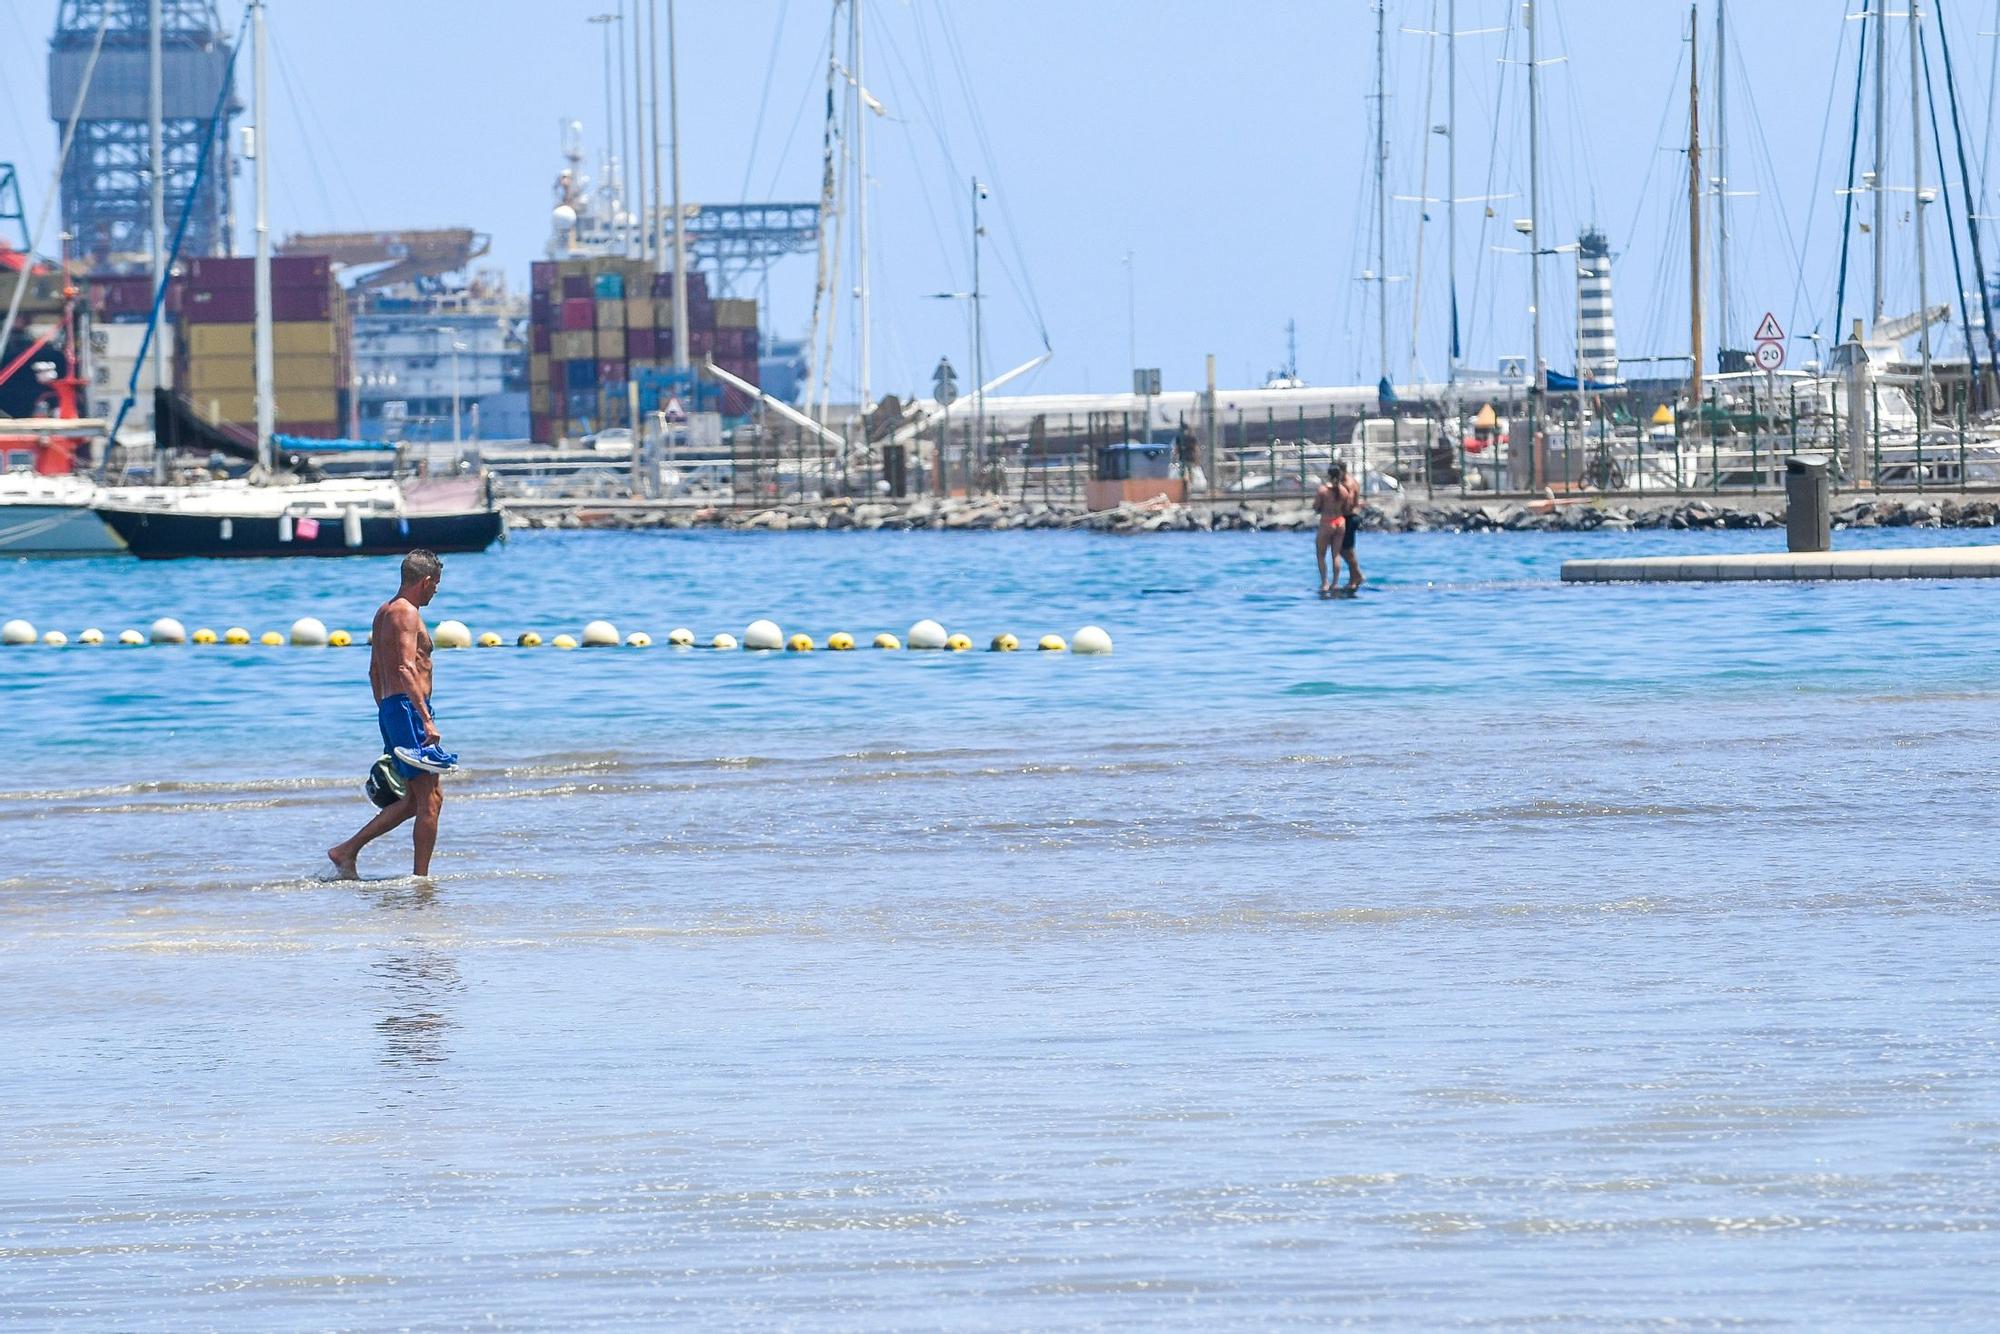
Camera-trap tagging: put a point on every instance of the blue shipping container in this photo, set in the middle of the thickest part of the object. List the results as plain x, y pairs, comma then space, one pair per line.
610, 287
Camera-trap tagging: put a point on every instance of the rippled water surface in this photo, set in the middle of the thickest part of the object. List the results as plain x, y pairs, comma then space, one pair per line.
1479, 952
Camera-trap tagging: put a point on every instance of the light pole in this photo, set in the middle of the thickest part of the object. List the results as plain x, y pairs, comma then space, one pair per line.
456, 348
1131, 315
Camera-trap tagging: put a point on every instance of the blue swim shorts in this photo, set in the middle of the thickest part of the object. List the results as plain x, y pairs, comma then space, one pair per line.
397, 717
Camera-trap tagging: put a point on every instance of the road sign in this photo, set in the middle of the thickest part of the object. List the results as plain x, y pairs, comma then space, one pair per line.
1513, 369
945, 380
1146, 380
1770, 331
674, 412
1770, 356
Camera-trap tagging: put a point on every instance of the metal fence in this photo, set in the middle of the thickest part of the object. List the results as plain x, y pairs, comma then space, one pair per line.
1737, 442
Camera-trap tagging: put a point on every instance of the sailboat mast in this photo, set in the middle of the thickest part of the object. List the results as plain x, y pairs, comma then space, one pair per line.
641, 241
680, 220
624, 141
654, 211
1880, 185
1381, 196
155, 94
860, 203
1721, 176
978, 340
1537, 371
1451, 197
261, 268
1694, 205
1917, 211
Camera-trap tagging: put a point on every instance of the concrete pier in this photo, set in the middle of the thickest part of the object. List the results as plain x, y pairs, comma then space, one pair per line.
1908, 563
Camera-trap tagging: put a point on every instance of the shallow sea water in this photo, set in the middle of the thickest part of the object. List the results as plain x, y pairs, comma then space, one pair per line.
1481, 952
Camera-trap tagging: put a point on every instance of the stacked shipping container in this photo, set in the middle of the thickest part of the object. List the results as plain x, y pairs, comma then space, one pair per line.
599, 325
215, 366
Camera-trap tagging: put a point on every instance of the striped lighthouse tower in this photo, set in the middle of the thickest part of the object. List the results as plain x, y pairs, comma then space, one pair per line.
1597, 344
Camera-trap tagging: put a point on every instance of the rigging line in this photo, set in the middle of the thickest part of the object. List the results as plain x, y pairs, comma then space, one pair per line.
1853, 148
291, 87
1675, 82
1489, 214
1992, 95
1800, 246
1944, 197
764, 98
1971, 209
791, 135
1423, 189
909, 139
1013, 229
927, 64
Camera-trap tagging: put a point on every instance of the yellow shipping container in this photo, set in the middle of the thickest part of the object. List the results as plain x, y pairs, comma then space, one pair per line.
294, 338
299, 405
538, 399
638, 312
313, 372
573, 345
220, 340
611, 313
228, 374
610, 344
538, 368
735, 314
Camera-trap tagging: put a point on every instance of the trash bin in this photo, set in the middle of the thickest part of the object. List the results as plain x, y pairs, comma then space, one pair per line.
1808, 503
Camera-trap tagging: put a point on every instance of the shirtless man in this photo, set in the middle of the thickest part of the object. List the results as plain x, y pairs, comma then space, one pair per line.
1330, 503
1350, 508
399, 670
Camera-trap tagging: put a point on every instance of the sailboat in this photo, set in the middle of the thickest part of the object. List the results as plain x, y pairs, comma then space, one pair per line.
362, 517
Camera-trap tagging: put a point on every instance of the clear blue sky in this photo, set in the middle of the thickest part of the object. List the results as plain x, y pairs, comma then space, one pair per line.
1225, 145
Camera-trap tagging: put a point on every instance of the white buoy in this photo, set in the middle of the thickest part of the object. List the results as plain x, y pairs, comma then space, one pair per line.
723, 642
763, 635
926, 634
1090, 639
350, 526
131, 637
17, 632
638, 639
309, 632
452, 634
600, 634
681, 638
167, 630
55, 639
91, 636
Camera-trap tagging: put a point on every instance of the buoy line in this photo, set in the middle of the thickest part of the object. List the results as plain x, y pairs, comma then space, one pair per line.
761, 636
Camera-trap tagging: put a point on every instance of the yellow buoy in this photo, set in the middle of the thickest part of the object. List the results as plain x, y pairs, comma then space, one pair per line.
203, 636
91, 636
490, 640
724, 641
638, 639
55, 639
840, 641
339, 639
1051, 644
563, 641
1005, 643
130, 637
800, 643
270, 639
529, 639
235, 634
886, 640
958, 643
681, 637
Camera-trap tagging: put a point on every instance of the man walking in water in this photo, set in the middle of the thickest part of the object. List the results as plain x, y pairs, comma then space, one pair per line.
399, 671
1350, 508
1330, 503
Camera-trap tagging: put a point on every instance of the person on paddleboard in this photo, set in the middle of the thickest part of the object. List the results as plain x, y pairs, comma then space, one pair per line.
399, 671
1330, 503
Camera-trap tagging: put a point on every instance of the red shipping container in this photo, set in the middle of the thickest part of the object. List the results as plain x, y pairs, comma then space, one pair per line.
542, 277
219, 306
539, 336
302, 304
663, 285
575, 285
579, 313
643, 344
701, 343
610, 372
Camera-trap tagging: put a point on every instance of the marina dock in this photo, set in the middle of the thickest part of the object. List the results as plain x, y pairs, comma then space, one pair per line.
1982, 562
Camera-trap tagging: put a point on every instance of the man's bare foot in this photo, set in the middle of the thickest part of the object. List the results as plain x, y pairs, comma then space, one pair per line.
343, 864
